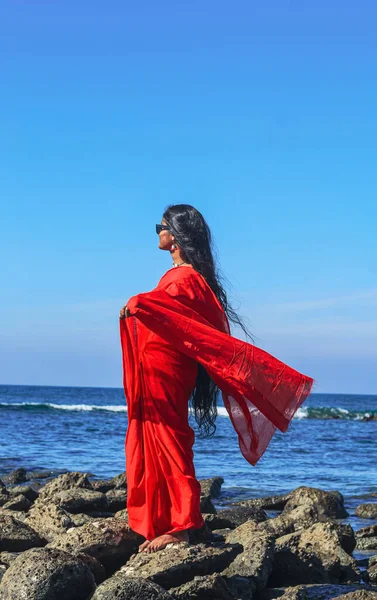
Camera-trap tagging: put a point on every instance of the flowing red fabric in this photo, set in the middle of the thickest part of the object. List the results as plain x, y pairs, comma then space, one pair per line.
171, 329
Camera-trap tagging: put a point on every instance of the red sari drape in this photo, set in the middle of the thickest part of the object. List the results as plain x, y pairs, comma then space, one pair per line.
171, 329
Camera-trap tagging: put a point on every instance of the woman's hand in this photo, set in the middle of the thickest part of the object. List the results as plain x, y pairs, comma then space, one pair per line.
124, 312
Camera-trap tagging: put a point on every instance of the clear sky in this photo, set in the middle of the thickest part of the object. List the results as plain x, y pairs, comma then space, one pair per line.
260, 114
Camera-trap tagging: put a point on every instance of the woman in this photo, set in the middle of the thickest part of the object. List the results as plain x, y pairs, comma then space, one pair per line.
177, 345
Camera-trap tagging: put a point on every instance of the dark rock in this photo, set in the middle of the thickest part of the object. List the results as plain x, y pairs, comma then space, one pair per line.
372, 560
211, 487
313, 555
234, 517
4, 497
16, 476
327, 504
203, 534
2, 571
47, 574
125, 588
67, 481
266, 503
369, 531
298, 592
48, 519
116, 500
102, 485
240, 587
367, 511
206, 506
26, 490
16, 536
80, 500
19, 502
119, 482
110, 541
205, 587
359, 595
179, 563
371, 573
98, 570
366, 543
256, 560
79, 519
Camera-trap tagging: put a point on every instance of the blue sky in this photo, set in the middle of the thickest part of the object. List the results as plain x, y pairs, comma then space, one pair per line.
262, 115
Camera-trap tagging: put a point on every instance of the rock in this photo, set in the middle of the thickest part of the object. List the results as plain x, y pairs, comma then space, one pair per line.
8, 557
203, 534
98, 570
313, 555
359, 595
372, 560
16, 536
2, 571
110, 541
240, 587
16, 476
48, 519
256, 560
327, 504
119, 482
298, 592
367, 511
206, 506
17, 514
47, 574
125, 588
366, 543
67, 481
80, 500
205, 587
296, 519
19, 502
266, 503
80, 519
371, 573
122, 514
370, 531
180, 563
234, 517
26, 490
211, 487
4, 497
101, 485
116, 500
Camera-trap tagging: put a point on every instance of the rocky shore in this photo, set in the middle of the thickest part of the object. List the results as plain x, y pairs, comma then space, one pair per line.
67, 537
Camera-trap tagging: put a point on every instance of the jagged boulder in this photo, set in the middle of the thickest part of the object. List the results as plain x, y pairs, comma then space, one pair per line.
19, 502
67, 481
204, 587
234, 517
47, 574
179, 563
80, 500
48, 519
327, 504
116, 499
211, 487
26, 490
265, 503
17, 476
122, 587
313, 555
110, 541
16, 536
298, 518
256, 559
359, 595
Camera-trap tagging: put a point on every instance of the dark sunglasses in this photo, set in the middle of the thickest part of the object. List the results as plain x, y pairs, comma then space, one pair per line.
160, 227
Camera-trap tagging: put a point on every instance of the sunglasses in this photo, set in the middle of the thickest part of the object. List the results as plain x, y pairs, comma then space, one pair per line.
160, 227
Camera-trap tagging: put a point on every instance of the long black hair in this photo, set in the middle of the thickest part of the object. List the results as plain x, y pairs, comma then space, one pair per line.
195, 241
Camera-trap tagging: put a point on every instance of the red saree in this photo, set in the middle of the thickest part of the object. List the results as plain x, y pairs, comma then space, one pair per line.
171, 329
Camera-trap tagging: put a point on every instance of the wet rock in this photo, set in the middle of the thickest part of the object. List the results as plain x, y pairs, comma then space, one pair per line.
180, 563
16, 536
313, 555
371, 573
234, 517
110, 541
6, 558
19, 502
372, 560
48, 519
205, 587
266, 503
366, 543
80, 500
206, 506
16, 476
296, 519
367, 511
67, 481
327, 504
47, 574
116, 500
369, 531
256, 560
125, 588
211, 487
26, 490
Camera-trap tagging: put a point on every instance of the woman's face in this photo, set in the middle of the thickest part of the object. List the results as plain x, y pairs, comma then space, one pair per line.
165, 238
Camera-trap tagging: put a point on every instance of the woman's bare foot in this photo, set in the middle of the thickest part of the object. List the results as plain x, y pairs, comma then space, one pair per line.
144, 545
162, 541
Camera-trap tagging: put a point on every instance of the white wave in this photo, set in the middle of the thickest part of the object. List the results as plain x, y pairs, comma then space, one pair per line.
70, 407
222, 411
302, 413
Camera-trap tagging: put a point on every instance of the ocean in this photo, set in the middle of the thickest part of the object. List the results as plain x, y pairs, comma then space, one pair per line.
331, 443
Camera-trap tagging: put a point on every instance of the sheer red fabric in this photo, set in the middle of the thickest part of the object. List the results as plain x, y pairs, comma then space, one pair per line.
171, 329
